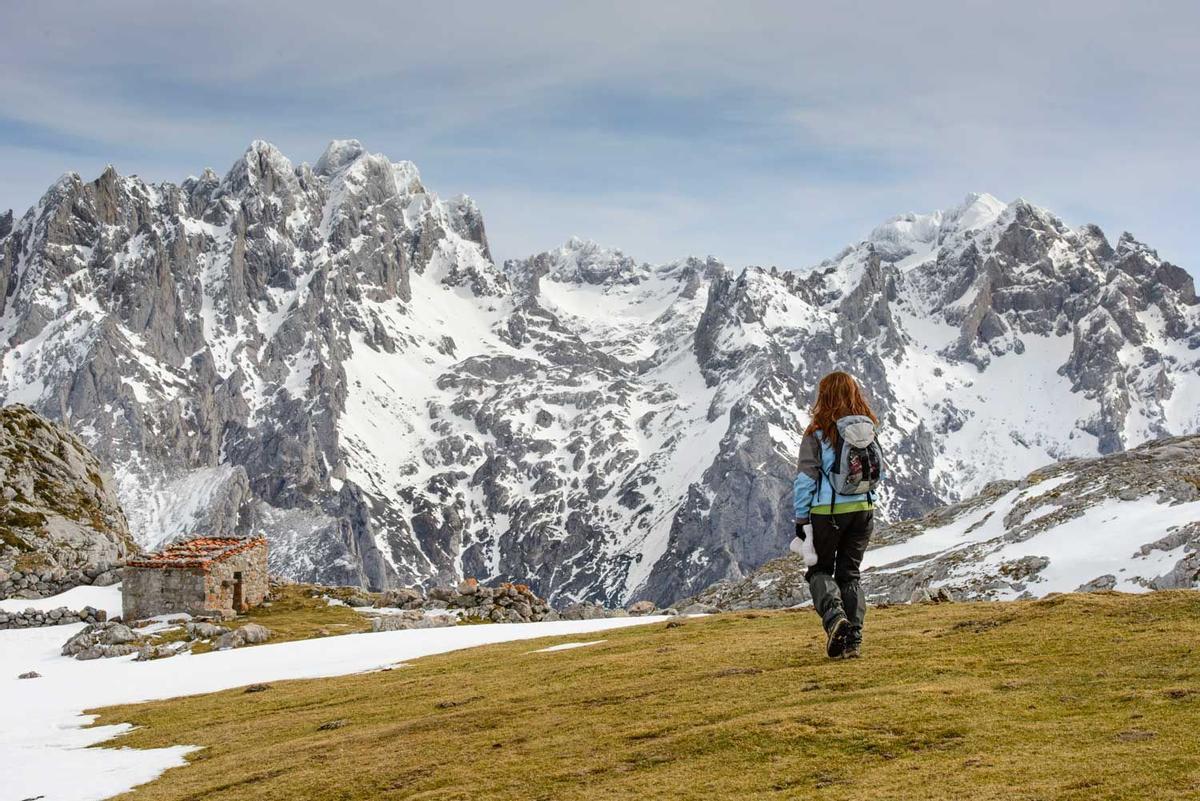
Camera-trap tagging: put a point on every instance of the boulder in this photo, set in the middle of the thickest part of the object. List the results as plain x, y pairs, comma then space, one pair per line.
230, 639
926, 595
249, 634
107, 578
920, 595
202, 630
400, 599
1099, 584
254, 634
117, 634
89, 653
642, 608
118, 650
148, 652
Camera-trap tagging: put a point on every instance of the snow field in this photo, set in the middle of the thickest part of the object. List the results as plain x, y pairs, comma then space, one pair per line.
44, 749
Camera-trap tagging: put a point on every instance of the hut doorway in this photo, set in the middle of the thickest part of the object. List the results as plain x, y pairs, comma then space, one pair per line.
239, 604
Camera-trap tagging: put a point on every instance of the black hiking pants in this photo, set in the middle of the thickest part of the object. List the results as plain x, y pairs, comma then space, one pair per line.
840, 540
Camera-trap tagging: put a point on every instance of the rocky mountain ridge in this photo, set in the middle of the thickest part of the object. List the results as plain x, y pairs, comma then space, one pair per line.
328, 354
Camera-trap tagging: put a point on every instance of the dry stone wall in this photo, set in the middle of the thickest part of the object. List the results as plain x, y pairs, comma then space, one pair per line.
34, 618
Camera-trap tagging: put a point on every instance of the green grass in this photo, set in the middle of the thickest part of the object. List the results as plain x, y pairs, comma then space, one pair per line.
1074, 697
296, 613
9, 538
23, 518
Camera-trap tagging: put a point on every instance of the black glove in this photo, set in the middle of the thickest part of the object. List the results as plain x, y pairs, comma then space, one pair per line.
800, 524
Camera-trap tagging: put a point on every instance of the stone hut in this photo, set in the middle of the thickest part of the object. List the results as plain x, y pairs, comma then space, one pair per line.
201, 576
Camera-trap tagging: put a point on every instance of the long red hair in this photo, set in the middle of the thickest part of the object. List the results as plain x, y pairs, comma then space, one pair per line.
838, 395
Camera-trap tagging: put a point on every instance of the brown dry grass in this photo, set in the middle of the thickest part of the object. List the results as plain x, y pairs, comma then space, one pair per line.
1075, 697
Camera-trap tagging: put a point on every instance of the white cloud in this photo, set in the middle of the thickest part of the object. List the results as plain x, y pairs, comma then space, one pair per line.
765, 131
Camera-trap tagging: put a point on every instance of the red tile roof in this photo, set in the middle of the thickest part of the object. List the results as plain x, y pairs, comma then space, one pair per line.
198, 552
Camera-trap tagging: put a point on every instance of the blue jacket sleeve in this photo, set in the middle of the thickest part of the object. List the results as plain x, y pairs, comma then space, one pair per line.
808, 470
802, 495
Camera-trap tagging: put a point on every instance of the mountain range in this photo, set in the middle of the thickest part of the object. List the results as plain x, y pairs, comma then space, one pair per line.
330, 355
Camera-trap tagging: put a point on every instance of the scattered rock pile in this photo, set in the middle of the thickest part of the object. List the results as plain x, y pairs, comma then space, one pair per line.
587, 610
506, 603
412, 619
472, 601
32, 618
97, 640
776, 585
113, 638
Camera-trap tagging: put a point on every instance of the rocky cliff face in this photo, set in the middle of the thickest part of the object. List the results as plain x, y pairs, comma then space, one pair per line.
329, 355
60, 522
1128, 521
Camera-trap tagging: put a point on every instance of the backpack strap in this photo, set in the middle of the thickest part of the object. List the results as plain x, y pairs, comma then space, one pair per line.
833, 493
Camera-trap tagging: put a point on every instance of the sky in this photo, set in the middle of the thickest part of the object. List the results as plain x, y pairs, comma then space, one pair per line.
771, 133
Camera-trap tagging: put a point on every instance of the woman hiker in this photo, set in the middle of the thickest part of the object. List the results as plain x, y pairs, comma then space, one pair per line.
840, 466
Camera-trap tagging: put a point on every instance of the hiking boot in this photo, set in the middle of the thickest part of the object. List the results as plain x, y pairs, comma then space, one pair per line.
835, 646
853, 649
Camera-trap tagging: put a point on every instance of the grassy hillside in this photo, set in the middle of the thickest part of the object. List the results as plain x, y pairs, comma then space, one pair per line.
1072, 697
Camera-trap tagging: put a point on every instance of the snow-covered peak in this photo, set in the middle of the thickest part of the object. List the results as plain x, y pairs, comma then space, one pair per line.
338, 155
407, 177
900, 235
264, 154
263, 167
348, 156
977, 211
585, 261
907, 234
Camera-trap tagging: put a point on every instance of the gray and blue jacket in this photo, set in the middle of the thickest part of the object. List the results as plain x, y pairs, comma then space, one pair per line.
812, 492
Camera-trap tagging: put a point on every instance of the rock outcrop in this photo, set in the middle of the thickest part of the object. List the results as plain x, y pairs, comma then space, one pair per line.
61, 524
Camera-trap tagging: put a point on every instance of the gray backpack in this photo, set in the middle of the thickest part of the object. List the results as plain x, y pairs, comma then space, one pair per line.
858, 460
